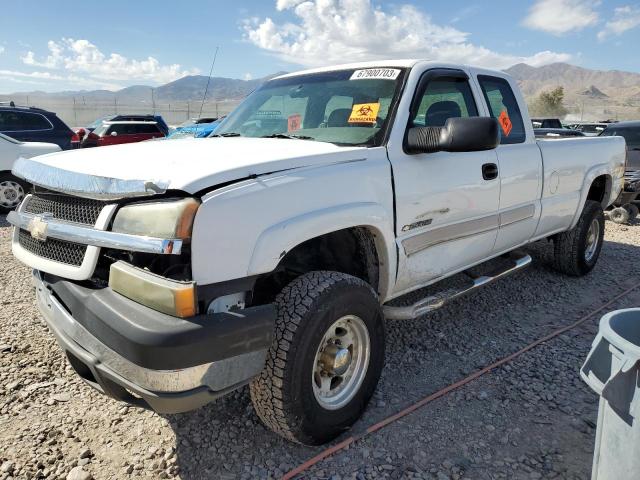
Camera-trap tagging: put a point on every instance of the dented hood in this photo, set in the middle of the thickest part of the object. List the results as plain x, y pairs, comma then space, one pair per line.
189, 165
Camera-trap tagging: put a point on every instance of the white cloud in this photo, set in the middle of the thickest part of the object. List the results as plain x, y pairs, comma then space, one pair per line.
83, 57
624, 18
48, 77
1, 49
338, 31
562, 16
247, 76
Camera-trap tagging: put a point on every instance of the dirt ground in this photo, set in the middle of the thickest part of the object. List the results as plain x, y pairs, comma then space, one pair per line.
532, 418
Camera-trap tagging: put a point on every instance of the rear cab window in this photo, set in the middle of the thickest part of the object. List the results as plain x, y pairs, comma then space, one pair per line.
504, 107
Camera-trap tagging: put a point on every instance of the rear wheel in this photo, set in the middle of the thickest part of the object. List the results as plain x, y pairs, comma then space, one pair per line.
577, 250
633, 210
326, 358
12, 191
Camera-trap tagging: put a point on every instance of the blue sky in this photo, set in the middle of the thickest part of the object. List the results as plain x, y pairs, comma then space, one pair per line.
62, 45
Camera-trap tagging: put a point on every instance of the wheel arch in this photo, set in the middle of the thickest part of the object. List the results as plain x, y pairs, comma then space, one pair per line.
318, 239
598, 186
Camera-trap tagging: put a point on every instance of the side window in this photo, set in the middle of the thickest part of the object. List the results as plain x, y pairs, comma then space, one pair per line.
145, 128
503, 106
10, 122
119, 128
33, 121
442, 99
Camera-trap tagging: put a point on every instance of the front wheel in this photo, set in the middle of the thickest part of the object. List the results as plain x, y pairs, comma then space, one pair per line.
325, 360
12, 192
577, 250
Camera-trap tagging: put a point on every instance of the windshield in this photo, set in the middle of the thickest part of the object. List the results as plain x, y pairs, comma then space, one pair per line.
630, 134
345, 107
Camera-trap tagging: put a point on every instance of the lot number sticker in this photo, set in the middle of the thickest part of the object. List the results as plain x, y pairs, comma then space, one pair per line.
376, 73
364, 113
505, 123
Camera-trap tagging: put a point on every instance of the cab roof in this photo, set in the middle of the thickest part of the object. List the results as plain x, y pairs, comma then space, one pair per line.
397, 63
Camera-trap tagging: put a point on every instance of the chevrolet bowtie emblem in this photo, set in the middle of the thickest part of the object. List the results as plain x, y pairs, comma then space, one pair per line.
38, 226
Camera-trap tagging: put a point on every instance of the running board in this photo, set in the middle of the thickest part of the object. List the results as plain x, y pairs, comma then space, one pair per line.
434, 302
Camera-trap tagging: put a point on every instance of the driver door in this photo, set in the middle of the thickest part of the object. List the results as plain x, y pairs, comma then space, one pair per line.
446, 204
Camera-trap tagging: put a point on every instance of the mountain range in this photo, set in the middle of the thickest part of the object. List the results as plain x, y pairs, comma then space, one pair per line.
582, 86
191, 87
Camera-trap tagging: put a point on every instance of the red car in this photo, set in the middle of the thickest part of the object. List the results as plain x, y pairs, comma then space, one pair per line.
115, 133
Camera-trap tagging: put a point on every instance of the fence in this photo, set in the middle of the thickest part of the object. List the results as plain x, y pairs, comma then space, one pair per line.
78, 112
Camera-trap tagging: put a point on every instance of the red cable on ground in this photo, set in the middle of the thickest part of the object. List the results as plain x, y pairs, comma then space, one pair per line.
440, 393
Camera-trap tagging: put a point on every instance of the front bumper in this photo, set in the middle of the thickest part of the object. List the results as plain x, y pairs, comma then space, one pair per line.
149, 359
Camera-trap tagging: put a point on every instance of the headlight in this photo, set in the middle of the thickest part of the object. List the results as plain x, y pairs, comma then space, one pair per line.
163, 219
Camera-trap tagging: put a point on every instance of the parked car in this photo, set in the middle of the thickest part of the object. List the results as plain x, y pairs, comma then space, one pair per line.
118, 132
197, 130
162, 125
12, 188
269, 254
590, 129
31, 124
551, 133
626, 205
546, 123
195, 121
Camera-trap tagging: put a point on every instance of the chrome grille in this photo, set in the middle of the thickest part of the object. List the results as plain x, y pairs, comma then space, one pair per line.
64, 207
53, 249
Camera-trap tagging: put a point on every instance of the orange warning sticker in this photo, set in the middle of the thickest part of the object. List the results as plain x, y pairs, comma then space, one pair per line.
505, 123
294, 122
364, 113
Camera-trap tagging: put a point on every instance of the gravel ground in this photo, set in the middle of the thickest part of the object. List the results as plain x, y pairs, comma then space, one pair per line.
532, 418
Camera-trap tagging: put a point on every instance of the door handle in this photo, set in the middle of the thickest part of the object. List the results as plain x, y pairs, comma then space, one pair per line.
489, 171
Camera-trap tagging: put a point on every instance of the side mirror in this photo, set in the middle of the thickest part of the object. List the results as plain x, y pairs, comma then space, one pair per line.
471, 134
114, 134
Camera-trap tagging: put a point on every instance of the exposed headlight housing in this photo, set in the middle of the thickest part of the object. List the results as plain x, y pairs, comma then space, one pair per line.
162, 219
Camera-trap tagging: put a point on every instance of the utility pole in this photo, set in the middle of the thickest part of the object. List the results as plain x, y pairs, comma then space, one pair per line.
75, 113
153, 100
115, 104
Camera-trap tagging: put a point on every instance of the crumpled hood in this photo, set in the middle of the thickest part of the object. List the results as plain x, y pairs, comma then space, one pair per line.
189, 165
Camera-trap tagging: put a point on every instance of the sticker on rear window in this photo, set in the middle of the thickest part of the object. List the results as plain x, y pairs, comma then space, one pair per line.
376, 73
505, 123
364, 113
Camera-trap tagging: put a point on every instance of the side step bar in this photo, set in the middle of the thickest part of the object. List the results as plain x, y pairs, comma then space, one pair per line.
433, 302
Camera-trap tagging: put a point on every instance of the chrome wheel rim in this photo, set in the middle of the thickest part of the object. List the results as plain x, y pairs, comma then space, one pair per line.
593, 237
11, 194
341, 362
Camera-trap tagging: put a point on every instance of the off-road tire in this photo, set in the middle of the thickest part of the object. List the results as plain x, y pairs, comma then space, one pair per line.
633, 210
282, 394
570, 246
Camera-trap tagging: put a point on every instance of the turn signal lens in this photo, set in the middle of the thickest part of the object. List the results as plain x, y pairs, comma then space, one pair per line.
162, 294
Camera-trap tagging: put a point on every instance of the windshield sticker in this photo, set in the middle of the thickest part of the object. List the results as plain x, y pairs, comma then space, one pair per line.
294, 122
364, 113
505, 123
376, 73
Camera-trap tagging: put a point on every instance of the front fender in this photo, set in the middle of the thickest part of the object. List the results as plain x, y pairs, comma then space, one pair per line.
276, 241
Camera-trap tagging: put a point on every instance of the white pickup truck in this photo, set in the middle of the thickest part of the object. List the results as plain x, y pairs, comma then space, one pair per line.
174, 272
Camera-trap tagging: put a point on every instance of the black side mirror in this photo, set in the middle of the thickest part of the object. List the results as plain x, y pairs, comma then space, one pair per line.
471, 134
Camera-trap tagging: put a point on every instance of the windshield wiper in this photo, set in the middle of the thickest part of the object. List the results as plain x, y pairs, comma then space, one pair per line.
284, 135
226, 134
